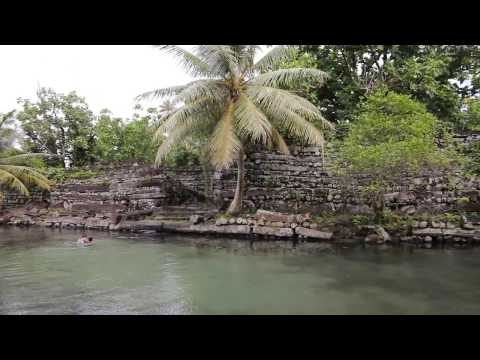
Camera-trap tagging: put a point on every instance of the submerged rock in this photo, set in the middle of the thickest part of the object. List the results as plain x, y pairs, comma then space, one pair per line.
382, 234
272, 231
313, 234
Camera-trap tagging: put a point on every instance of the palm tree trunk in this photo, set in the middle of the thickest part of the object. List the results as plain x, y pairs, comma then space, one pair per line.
236, 205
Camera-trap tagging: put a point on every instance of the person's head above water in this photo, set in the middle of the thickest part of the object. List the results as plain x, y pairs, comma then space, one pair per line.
90, 239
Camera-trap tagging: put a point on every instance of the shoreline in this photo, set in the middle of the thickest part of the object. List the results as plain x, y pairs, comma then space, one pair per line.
261, 244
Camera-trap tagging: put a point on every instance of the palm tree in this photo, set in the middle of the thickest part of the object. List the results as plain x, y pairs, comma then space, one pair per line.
167, 107
15, 173
237, 101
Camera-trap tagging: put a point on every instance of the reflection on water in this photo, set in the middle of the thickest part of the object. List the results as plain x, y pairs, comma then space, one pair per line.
43, 271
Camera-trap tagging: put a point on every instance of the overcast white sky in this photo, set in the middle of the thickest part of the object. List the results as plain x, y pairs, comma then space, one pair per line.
107, 76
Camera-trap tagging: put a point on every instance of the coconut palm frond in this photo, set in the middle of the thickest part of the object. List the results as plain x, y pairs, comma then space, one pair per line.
290, 78
192, 64
273, 57
221, 59
174, 137
28, 175
274, 100
12, 182
209, 89
278, 142
224, 144
250, 121
161, 93
180, 133
298, 127
187, 115
246, 56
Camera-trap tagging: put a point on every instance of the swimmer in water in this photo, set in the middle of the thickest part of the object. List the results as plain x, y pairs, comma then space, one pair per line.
83, 239
89, 242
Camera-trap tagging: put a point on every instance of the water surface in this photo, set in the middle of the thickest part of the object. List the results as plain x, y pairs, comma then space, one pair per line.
43, 271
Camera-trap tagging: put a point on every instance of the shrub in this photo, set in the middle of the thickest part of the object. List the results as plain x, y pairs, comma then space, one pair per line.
392, 135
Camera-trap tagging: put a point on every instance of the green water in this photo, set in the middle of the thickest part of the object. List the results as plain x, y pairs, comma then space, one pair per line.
43, 271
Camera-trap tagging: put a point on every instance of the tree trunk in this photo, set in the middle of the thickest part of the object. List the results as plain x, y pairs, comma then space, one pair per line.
379, 206
236, 205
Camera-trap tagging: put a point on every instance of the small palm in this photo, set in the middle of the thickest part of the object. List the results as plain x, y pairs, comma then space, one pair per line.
15, 173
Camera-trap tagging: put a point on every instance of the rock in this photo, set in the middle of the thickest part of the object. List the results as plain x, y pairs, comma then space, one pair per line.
196, 219
460, 232
284, 232
406, 197
428, 238
391, 197
468, 226
314, 226
382, 234
306, 224
422, 224
450, 225
267, 230
277, 224
274, 216
239, 221
232, 221
371, 238
428, 231
408, 209
417, 181
221, 221
313, 234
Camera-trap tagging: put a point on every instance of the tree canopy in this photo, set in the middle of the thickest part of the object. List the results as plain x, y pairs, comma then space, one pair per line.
440, 76
59, 125
392, 135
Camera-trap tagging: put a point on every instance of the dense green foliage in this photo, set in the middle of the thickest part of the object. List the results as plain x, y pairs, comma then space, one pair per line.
392, 135
7, 131
440, 76
118, 140
59, 174
59, 125
469, 119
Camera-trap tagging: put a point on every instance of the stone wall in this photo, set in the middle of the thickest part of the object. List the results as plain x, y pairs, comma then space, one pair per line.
303, 182
132, 188
299, 182
9, 199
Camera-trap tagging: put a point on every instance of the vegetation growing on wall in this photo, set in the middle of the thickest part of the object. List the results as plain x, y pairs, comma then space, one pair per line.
392, 135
